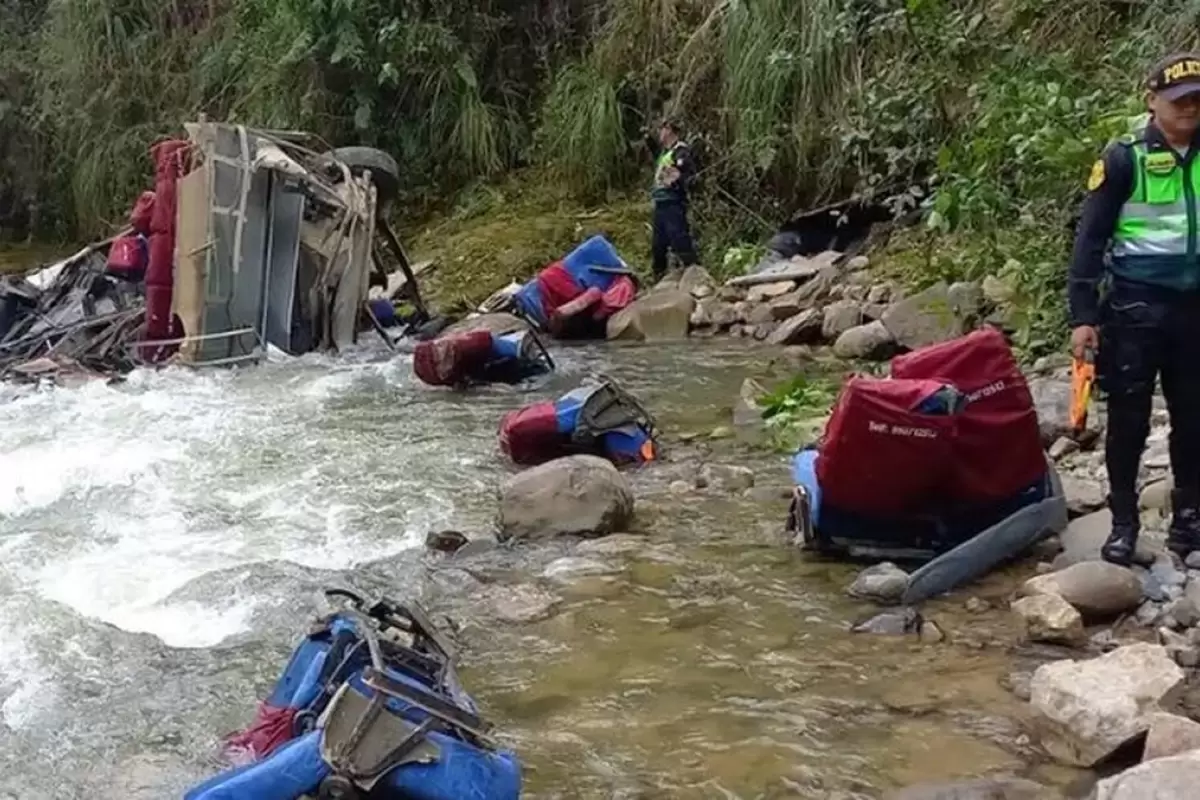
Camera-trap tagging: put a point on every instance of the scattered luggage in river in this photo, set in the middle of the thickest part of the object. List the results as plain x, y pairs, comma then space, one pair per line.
599, 419
369, 705
481, 356
941, 462
574, 297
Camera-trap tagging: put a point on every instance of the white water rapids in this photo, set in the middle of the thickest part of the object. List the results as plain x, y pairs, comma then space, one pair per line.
155, 536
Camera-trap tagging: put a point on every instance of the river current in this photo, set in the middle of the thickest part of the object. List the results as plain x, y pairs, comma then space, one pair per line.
164, 541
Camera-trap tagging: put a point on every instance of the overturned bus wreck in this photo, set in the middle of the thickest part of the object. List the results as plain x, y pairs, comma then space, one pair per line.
249, 239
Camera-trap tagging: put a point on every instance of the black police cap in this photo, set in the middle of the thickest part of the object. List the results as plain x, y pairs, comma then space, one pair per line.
1176, 76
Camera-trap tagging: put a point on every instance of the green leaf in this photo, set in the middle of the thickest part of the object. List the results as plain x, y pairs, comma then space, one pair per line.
388, 74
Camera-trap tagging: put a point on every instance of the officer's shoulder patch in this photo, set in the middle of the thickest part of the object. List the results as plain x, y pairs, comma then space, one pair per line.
1096, 178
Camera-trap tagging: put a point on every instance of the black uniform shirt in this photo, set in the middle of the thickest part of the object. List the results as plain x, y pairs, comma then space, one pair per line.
1098, 222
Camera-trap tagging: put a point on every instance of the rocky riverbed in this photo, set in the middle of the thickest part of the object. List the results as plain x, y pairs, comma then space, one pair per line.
1116, 649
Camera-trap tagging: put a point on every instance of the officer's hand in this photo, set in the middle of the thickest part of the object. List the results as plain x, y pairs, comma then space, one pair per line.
1083, 339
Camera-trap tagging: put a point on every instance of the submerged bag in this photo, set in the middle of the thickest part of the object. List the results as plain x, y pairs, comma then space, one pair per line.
601, 420
481, 357
394, 720
530, 435
449, 360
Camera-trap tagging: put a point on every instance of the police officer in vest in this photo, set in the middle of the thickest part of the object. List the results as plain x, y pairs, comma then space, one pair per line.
674, 168
1143, 202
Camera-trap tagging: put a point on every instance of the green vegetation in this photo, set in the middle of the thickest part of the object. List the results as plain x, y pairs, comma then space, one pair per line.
509, 229
986, 113
796, 411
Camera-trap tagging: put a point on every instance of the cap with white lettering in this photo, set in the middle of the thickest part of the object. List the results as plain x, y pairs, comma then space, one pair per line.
1176, 76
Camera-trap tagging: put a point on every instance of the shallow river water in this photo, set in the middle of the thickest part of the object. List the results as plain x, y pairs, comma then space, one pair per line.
163, 543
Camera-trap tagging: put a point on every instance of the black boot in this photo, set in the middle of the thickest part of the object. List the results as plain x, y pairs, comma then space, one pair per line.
1118, 548
1184, 534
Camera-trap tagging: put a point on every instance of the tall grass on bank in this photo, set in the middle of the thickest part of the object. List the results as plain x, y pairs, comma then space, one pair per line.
583, 129
986, 112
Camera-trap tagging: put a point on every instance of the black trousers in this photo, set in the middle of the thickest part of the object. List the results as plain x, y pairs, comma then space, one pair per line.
670, 232
1148, 333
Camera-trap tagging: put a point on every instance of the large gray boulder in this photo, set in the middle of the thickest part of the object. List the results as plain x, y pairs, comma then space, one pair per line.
926, 318
1087, 709
1095, 588
577, 495
1172, 778
662, 315
870, 341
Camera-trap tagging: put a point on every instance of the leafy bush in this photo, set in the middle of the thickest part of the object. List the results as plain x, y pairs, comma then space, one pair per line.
795, 413
986, 114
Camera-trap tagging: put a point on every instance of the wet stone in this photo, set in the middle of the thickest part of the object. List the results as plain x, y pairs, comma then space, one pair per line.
931, 633
883, 583
445, 541
977, 605
895, 622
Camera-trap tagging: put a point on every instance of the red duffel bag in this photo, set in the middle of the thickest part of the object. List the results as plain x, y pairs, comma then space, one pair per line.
997, 448
448, 360
880, 455
530, 435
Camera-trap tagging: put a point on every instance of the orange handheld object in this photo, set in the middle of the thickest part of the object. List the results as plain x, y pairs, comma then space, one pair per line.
1083, 375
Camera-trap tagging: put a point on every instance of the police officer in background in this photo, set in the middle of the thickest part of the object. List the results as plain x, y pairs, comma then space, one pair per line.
674, 169
1142, 200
